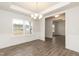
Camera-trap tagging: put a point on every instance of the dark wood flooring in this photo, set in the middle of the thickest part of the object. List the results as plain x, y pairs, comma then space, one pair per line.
51, 47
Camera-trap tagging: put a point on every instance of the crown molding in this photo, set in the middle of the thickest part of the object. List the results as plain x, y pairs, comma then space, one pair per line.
57, 6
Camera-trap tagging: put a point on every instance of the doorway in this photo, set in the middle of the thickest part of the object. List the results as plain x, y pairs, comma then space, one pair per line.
55, 29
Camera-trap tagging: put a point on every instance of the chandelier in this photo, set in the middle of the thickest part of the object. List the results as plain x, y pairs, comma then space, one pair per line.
36, 15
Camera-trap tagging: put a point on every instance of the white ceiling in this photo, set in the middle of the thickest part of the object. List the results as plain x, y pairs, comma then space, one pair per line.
33, 7
36, 7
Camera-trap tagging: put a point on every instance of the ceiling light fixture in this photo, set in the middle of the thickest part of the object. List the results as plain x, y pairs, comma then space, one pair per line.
56, 15
36, 15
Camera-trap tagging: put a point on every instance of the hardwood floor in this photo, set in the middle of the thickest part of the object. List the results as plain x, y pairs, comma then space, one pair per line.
54, 47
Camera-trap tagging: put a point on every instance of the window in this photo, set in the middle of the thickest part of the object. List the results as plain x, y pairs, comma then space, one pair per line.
27, 27
21, 27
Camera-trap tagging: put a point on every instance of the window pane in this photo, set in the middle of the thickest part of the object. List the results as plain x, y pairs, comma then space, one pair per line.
17, 26
27, 27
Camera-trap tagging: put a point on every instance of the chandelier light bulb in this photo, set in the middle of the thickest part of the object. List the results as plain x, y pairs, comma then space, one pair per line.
36, 15
40, 16
32, 15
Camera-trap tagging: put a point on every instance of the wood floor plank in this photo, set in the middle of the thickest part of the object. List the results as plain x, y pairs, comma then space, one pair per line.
51, 47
